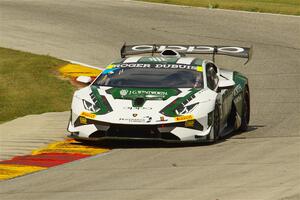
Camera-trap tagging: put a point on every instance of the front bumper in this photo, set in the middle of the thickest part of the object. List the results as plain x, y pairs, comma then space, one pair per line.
163, 132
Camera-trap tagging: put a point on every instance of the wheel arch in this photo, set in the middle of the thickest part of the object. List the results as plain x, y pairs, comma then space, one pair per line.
241, 86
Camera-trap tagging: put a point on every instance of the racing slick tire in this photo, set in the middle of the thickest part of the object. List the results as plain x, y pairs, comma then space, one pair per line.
214, 133
246, 111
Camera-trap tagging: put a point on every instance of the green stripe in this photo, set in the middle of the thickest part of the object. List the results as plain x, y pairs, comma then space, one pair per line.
170, 109
104, 109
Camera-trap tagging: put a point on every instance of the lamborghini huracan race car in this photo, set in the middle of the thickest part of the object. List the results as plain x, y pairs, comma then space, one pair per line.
159, 93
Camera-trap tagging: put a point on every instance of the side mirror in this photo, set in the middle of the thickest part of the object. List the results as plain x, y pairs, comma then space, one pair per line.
84, 79
226, 84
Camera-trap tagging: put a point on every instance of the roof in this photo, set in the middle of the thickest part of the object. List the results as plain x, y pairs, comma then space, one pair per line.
166, 62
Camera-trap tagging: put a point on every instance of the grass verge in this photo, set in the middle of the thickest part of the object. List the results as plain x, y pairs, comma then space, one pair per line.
290, 7
29, 85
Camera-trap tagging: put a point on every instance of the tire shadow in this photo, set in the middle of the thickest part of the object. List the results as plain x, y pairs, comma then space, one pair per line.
136, 144
240, 134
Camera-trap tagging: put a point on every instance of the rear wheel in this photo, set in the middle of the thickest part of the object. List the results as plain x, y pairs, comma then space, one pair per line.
214, 133
246, 111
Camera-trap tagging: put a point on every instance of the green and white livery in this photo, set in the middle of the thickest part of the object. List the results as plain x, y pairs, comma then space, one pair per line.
163, 96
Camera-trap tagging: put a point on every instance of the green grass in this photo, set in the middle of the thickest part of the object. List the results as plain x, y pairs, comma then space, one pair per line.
291, 7
29, 85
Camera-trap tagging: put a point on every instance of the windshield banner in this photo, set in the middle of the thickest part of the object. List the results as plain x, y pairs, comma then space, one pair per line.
158, 66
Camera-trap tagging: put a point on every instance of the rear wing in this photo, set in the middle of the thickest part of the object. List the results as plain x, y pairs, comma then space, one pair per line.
241, 52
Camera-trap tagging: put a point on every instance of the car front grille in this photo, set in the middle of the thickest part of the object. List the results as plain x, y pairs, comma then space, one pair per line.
134, 131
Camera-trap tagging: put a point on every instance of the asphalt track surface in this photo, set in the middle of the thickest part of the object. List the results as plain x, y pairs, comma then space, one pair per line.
263, 163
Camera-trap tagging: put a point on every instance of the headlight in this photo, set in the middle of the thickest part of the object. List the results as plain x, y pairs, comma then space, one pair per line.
89, 106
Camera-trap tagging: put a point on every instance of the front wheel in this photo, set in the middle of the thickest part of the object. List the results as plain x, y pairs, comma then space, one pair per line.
214, 133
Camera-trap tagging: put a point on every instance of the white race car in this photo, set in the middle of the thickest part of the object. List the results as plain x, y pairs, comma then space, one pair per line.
163, 96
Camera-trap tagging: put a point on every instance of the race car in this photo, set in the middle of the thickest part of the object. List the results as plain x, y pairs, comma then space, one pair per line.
157, 92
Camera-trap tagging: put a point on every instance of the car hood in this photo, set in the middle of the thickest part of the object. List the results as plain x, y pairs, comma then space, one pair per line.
145, 105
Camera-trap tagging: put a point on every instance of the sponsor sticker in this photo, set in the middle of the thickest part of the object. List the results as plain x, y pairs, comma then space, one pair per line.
88, 115
184, 118
146, 93
110, 66
110, 71
162, 119
190, 48
146, 119
199, 68
157, 66
123, 92
137, 108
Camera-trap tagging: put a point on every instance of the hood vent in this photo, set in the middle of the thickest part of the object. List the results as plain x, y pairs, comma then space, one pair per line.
138, 102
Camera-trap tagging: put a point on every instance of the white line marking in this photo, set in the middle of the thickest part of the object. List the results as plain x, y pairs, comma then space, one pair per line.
86, 65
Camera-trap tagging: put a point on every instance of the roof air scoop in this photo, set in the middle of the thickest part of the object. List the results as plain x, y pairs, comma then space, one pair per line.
170, 53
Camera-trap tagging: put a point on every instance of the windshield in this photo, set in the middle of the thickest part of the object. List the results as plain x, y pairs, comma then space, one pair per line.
149, 78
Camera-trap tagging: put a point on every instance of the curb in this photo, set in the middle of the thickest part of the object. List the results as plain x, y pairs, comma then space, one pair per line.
54, 154
75, 69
